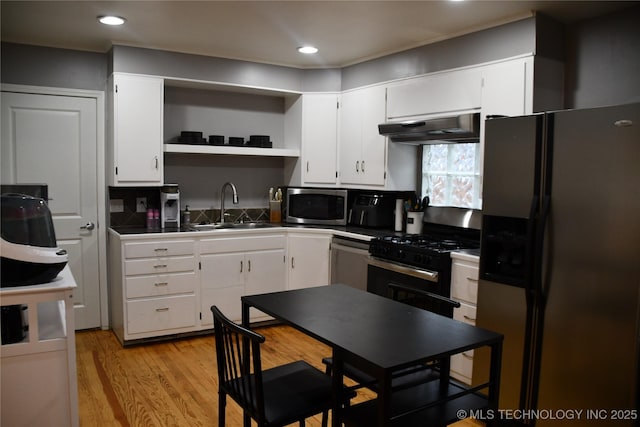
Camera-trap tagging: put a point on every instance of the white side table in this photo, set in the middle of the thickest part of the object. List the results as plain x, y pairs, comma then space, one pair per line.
38, 374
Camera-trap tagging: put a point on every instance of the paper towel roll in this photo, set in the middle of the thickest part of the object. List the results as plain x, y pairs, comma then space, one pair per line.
399, 214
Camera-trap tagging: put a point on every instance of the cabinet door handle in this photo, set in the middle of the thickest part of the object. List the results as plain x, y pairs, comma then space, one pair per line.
471, 319
307, 166
472, 279
362, 167
156, 159
162, 309
160, 266
162, 284
357, 165
292, 263
241, 266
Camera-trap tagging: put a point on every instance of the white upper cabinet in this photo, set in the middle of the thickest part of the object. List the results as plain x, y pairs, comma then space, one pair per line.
137, 123
319, 138
457, 90
362, 149
507, 88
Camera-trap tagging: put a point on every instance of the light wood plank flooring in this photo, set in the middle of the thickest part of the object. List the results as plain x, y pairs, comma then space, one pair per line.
174, 383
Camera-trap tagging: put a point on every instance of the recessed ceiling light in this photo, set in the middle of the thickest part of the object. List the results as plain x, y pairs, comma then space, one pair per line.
111, 20
307, 49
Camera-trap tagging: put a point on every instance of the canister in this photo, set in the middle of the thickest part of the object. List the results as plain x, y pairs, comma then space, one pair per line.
414, 222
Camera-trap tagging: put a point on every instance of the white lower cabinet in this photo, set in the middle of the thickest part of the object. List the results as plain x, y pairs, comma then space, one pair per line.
236, 266
464, 289
165, 284
156, 315
152, 286
308, 259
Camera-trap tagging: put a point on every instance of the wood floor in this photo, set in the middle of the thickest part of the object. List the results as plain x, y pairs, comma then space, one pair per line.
174, 383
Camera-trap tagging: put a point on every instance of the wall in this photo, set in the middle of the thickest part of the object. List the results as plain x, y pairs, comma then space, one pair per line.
501, 42
196, 67
51, 67
603, 60
201, 178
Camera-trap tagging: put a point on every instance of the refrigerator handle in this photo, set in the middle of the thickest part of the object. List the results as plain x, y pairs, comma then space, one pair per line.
538, 277
530, 300
530, 249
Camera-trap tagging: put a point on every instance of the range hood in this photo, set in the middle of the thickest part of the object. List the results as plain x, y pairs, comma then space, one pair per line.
441, 130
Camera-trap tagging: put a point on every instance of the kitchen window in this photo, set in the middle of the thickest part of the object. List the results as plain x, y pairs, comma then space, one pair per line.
450, 175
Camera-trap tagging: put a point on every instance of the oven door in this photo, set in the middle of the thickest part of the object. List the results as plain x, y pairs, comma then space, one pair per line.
399, 281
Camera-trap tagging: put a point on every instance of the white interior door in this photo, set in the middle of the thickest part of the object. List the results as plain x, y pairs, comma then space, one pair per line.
53, 140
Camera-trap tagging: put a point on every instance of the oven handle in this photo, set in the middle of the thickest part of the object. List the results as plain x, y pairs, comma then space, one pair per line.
396, 287
431, 276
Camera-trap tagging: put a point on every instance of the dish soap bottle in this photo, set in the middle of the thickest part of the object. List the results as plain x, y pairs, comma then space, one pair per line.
186, 217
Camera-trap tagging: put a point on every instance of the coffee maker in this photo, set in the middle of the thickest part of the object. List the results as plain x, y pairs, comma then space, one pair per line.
170, 206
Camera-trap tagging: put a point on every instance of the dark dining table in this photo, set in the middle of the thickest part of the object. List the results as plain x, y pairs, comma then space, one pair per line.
380, 336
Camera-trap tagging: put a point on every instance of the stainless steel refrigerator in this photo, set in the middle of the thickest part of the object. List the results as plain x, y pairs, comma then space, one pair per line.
560, 265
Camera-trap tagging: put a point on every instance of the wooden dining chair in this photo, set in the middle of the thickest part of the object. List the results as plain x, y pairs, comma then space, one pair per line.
409, 376
273, 397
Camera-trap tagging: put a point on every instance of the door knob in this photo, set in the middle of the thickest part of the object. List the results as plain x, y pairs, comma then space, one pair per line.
88, 226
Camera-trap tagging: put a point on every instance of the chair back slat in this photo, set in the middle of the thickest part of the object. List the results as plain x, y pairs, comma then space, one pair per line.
239, 367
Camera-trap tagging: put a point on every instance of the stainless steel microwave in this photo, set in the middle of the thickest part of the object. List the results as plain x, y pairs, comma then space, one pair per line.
316, 206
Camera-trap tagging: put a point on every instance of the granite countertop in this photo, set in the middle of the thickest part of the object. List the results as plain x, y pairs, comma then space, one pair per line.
348, 231
369, 232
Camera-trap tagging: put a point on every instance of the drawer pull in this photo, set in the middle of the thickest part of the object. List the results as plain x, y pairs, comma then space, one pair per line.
472, 279
162, 309
161, 249
160, 266
162, 284
471, 319
467, 356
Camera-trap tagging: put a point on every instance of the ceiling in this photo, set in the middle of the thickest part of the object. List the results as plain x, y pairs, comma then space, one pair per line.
346, 32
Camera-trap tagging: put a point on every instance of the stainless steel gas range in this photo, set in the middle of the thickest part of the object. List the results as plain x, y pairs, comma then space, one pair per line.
417, 268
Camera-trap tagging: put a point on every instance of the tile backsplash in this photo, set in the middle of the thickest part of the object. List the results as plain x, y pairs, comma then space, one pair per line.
130, 218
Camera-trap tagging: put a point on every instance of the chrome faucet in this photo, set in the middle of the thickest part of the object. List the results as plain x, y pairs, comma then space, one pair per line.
235, 197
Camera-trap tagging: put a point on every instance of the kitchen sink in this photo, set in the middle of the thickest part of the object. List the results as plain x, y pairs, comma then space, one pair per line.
229, 225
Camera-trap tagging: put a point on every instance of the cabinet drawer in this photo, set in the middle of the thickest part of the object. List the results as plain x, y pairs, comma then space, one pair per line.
161, 284
462, 364
159, 265
158, 314
242, 244
465, 313
464, 282
158, 248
